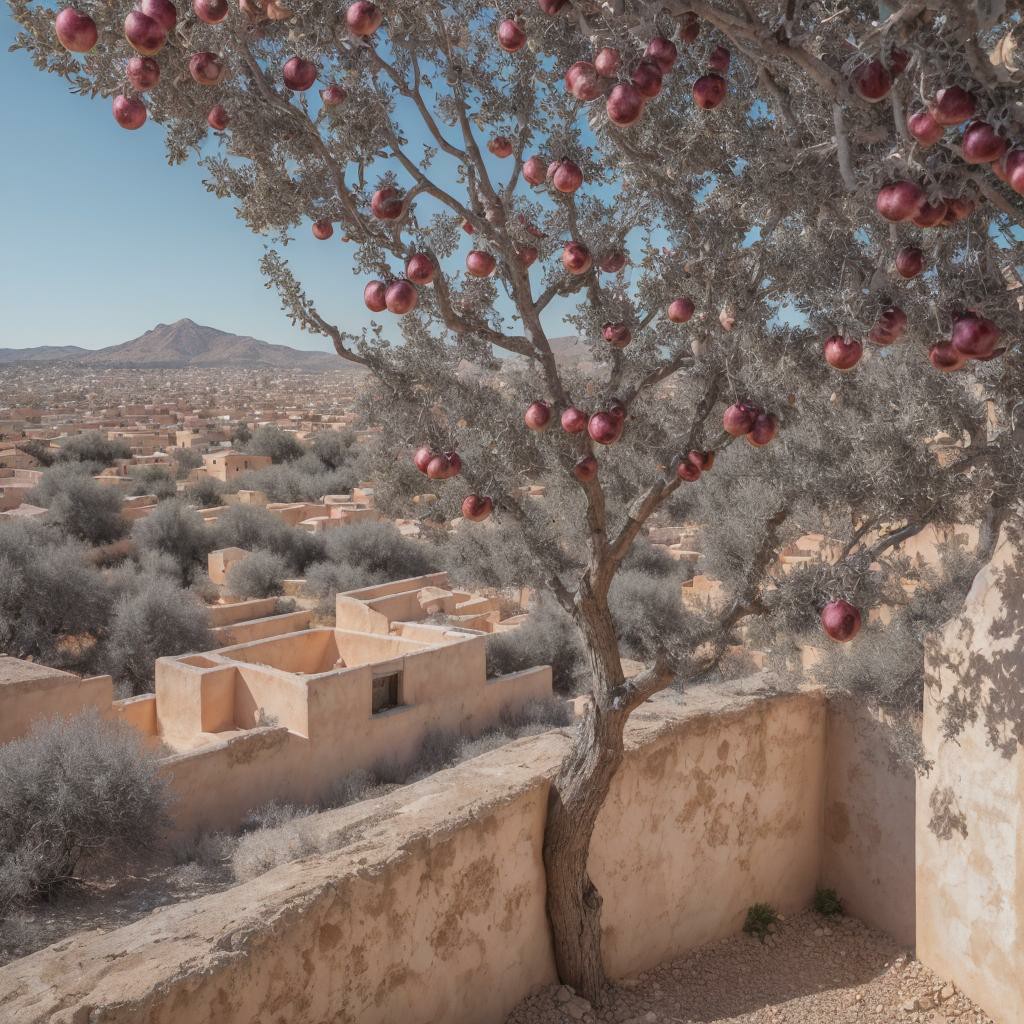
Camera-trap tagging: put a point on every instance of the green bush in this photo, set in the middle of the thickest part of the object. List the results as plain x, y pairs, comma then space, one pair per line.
761, 920
827, 902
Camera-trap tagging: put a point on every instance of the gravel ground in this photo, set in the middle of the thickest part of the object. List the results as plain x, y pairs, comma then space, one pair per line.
812, 970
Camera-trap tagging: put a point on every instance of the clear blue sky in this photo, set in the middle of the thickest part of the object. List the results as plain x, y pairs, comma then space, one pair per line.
102, 239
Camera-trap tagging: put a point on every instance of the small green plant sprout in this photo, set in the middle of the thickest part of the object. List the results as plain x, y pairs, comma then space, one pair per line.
827, 902
761, 920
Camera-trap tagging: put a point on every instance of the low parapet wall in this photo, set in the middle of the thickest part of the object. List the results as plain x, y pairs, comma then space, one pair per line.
433, 909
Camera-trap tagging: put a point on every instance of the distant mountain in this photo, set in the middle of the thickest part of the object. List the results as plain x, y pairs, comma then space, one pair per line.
41, 354
185, 344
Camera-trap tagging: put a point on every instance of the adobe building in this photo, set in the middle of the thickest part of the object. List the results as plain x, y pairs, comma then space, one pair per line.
226, 465
398, 607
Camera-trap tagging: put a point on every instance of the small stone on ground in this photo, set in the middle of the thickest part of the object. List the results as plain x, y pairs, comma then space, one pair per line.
812, 972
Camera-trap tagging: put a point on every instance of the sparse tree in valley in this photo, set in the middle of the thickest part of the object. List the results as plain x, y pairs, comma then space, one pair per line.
730, 202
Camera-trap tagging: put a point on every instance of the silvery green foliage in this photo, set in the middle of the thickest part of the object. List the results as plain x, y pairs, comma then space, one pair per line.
761, 210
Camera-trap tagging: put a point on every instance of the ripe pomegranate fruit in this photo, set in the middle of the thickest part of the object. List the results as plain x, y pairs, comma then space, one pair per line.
373, 296
953, 106
739, 418
129, 112
607, 62
386, 203
76, 31
299, 74
511, 36
574, 421
616, 334
709, 91
900, 200
477, 508
766, 426
420, 268
142, 73
925, 128
480, 263
945, 358
537, 415
909, 261
586, 469
363, 18
565, 176
982, 144
843, 353
625, 104
840, 620
872, 81
663, 52
974, 336
680, 310
576, 258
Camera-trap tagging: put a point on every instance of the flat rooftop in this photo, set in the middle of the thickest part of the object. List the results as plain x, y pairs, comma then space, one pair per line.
14, 670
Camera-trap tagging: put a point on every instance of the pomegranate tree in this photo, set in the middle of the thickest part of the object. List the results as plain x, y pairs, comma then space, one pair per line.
603, 249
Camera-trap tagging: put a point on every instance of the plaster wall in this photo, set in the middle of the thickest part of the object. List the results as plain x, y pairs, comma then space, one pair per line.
433, 907
869, 840
970, 808
31, 692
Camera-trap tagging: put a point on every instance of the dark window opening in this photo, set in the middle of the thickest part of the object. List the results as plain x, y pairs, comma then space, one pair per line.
387, 692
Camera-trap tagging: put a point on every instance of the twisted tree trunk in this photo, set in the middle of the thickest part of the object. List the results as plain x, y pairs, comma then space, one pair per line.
577, 795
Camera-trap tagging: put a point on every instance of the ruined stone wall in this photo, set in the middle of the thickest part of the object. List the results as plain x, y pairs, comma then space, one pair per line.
432, 909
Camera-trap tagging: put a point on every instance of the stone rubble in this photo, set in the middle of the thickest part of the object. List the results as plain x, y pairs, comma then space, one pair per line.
807, 972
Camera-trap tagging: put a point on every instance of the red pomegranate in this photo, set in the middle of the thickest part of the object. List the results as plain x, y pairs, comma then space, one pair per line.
142, 73
930, 215
617, 335
163, 12
322, 229
720, 59
527, 255
576, 258
480, 263
76, 31
373, 296
909, 261
766, 426
900, 200
898, 62
145, 34
551, 7
477, 508
211, 11
925, 128
872, 81
1013, 165
739, 418
680, 310
843, 353
607, 62
400, 297
625, 105
840, 620
689, 27
702, 460
647, 78
500, 146
363, 18
574, 421
663, 52
218, 119
709, 91
581, 80
129, 112
974, 336
535, 171
386, 203
612, 262
565, 176
953, 106
420, 269
206, 68
299, 74
890, 326
511, 36
604, 428
421, 458
537, 415
333, 95
439, 468
945, 358
982, 144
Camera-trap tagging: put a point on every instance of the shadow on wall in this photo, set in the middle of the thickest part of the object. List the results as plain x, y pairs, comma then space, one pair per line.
987, 665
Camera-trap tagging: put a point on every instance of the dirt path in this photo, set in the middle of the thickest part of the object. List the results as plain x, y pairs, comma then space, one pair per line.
811, 971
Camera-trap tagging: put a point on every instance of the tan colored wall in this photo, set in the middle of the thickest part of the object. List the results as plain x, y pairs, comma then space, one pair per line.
868, 841
435, 910
970, 808
30, 693
241, 611
261, 629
